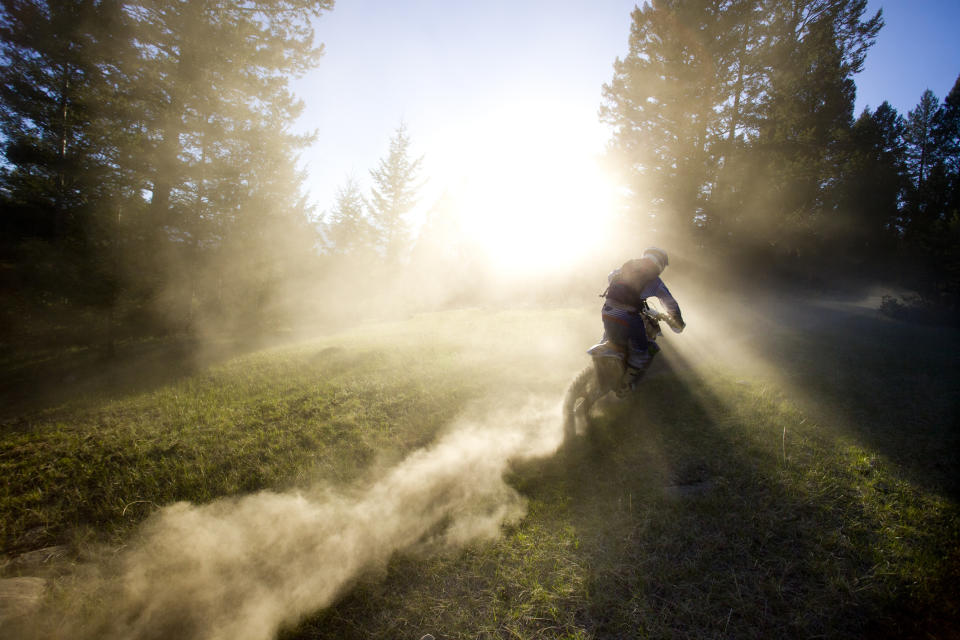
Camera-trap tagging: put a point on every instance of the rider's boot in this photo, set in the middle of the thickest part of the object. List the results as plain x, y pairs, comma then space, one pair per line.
638, 361
633, 378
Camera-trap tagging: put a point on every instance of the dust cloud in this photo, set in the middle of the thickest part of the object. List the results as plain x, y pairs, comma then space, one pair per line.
243, 568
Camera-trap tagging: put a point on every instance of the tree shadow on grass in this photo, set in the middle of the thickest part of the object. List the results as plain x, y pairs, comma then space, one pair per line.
41, 380
673, 517
753, 548
890, 385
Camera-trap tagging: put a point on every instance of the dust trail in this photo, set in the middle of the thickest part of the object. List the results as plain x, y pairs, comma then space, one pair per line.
243, 568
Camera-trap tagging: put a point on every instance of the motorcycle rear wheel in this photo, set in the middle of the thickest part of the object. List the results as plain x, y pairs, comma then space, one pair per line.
582, 393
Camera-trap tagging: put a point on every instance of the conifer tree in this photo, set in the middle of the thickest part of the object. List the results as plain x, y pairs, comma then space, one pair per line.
662, 103
160, 130
60, 179
216, 95
731, 115
948, 129
225, 207
871, 189
347, 228
920, 135
393, 196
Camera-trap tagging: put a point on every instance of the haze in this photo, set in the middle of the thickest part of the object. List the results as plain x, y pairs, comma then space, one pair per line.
247, 364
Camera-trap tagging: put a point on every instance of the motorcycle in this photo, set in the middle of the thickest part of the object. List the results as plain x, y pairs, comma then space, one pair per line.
606, 373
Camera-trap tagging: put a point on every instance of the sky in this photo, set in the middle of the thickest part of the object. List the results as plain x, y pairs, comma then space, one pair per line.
480, 85
457, 74
917, 49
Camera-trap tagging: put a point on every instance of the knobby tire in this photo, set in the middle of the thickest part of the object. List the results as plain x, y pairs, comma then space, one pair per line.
584, 387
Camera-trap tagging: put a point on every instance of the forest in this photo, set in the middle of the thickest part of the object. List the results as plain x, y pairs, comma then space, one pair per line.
149, 183
229, 411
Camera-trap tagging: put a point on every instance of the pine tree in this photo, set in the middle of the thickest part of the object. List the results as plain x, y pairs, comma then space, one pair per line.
663, 104
948, 129
921, 140
932, 209
216, 100
347, 228
872, 188
159, 130
809, 111
215, 150
923, 206
717, 100
949, 262
60, 178
393, 196
48, 83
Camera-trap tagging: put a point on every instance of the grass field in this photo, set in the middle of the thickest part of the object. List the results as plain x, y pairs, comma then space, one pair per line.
794, 476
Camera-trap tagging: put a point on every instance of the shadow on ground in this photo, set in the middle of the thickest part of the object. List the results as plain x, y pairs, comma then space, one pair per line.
668, 520
36, 381
890, 385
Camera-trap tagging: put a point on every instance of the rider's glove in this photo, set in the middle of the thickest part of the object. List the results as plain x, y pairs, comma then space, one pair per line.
676, 322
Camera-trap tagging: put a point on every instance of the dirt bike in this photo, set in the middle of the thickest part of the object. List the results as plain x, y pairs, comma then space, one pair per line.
607, 373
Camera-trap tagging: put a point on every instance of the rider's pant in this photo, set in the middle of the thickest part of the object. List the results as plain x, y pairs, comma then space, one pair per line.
626, 327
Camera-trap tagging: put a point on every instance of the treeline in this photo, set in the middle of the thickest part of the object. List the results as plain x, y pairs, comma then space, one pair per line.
148, 181
374, 262
374, 228
734, 126
149, 164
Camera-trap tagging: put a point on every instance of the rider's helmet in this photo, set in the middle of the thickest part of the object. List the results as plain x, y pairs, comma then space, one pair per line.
657, 256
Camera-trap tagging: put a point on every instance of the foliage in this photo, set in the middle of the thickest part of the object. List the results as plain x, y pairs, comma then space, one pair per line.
733, 122
148, 154
918, 134
58, 183
368, 248
148, 182
727, 113
394, 194
348, 229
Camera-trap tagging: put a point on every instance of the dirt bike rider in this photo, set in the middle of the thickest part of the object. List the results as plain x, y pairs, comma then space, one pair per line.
625, 299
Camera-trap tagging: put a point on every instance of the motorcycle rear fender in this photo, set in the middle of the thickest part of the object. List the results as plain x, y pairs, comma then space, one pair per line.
607, 349
609, 371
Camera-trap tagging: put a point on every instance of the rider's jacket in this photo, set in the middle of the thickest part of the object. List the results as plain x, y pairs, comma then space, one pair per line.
627, 298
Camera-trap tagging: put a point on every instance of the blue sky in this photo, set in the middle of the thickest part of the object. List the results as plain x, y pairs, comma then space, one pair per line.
455, 72
917, 49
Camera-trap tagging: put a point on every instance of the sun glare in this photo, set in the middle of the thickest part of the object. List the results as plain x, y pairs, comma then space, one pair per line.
531, 195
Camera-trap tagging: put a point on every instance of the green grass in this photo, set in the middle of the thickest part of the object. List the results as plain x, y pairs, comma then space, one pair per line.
713, 504
272, 419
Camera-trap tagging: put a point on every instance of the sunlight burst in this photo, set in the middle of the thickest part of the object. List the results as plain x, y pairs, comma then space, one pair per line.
533, 197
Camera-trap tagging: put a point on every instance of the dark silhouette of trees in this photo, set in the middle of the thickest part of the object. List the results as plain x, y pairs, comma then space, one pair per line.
931, 209
148, 155
60, 182
663, 105
871, 191
809, 108
729, 115
948, 129
733, 124
921, 142
148, 178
